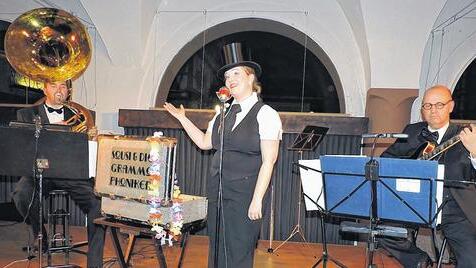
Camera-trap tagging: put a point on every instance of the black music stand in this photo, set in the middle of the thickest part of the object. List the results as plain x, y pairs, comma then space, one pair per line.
65, 151
307, 140
43, 151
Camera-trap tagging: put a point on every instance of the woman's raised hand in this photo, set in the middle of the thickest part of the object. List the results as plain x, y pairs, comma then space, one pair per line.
178, 113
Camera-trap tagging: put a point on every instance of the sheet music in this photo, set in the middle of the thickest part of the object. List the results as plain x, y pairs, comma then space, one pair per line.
93, 154
408, 185
312, 184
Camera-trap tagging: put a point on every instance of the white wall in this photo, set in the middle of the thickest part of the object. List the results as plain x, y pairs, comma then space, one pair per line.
397, 32
450, 48
324, 22
371, 43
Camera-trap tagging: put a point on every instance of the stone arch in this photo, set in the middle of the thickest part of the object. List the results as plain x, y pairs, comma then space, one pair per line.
242, 25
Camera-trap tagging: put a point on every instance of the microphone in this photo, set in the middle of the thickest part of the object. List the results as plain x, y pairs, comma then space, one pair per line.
385, 135
223, 94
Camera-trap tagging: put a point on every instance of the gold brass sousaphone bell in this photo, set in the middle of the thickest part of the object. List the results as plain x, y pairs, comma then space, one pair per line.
49, 45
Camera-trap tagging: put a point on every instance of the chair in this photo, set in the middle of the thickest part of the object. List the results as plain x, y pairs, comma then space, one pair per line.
59, 236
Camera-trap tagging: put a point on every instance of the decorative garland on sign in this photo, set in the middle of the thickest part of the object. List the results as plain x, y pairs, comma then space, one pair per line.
165, 232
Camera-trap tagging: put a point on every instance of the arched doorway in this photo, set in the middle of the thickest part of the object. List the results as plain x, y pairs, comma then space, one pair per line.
464, 94
279, 48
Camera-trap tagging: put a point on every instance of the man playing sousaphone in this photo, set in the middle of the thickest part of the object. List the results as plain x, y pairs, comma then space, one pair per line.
56, 109
54, 50
53, 111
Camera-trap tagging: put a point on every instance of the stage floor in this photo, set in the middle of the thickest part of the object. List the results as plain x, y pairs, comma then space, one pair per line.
292, 254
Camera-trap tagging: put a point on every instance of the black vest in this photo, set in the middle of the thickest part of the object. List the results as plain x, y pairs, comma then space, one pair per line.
241, 147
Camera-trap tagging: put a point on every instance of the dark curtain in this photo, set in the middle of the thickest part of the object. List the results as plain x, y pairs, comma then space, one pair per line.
192, 171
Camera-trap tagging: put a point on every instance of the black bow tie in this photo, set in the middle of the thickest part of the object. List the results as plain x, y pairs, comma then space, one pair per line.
430, 136
53, 110
234, 109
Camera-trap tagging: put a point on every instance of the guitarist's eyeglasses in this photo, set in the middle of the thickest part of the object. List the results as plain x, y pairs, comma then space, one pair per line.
438, 105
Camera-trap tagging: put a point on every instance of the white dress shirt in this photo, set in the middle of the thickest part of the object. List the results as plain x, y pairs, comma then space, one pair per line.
54, 117
270, 127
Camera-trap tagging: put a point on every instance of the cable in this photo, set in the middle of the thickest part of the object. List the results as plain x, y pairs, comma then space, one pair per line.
303, 86
37, 120
447, 58
109, 262
452, 19
203, 57
441, 28
17, 261
234, 11
29, 243
27, 259
429, 58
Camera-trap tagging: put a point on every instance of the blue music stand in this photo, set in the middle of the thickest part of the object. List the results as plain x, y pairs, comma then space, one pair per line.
347, 191
381, 189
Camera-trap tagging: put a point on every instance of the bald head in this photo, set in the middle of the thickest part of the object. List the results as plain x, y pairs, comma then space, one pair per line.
437, 105
438, 90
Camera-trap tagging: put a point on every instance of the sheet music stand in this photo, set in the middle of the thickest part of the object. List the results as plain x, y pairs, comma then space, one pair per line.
36, 150
307, 140
401, 191
68, 158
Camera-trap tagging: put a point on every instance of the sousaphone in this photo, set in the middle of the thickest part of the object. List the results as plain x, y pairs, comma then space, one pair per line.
49, 45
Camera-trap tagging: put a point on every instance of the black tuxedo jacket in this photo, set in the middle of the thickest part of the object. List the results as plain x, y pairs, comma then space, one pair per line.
461, 199
28, 114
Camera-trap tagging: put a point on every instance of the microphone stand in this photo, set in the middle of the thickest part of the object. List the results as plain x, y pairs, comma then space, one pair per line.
219, 216
372, 174
39, 166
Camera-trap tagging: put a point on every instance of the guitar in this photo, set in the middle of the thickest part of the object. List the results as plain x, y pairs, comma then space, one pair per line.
429, 150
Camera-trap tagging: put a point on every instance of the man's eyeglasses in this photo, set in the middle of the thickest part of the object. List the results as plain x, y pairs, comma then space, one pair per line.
438, 105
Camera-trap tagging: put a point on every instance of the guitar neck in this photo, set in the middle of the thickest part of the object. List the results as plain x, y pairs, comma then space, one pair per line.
441, 148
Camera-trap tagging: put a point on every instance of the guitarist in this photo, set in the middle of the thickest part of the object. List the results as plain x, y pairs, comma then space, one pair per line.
459, 213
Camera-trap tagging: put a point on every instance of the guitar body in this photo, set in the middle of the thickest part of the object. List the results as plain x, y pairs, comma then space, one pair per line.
430, 150
423, 150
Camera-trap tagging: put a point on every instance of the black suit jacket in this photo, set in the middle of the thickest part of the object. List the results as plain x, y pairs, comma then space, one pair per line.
461, 199
28, 114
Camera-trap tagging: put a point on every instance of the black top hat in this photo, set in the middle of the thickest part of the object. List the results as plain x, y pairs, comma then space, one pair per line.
234, 57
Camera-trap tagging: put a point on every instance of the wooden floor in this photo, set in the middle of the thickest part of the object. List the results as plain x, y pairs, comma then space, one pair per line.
292, 254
